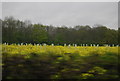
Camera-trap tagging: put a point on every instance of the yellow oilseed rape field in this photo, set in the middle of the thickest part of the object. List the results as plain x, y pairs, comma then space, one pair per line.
59, 62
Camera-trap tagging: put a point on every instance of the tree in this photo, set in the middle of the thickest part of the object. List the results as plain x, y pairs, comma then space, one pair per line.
39, 34
16, 31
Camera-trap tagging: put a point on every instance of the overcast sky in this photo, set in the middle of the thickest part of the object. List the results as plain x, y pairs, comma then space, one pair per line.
64, 13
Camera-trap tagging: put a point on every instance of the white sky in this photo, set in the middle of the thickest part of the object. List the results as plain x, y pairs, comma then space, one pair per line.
64, 13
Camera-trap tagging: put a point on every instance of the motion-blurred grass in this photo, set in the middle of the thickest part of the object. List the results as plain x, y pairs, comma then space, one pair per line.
59, 62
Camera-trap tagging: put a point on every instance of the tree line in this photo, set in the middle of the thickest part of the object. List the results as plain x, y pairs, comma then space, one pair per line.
16, 31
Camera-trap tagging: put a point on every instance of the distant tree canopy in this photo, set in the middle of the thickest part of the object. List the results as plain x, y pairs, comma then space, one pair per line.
16, 31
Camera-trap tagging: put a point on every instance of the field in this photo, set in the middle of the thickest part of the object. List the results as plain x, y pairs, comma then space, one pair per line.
59, 62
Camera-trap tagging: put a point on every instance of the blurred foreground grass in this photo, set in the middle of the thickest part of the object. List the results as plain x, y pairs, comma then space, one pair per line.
59, 62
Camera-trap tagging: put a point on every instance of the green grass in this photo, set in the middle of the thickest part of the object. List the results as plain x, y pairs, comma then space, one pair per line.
59, 62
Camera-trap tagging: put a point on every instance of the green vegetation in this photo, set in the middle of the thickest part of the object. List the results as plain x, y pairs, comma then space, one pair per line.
28, 51
16, 31
59, 62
